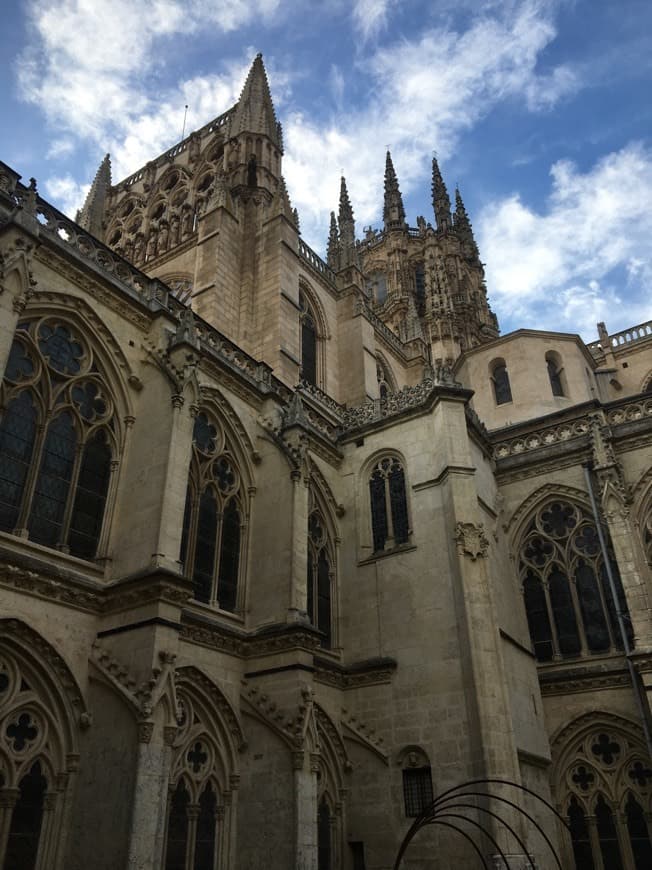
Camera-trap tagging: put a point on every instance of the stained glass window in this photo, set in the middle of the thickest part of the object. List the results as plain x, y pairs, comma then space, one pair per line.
17, 431
580, 837
607, 835
561, 550
388, 502
53, 481
211, 539
639, 836
90, 496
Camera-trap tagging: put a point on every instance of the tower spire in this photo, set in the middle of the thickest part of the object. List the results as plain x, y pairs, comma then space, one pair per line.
393, 211
464, 229
346, 228
254, 112
91, 214
333, 250
440, 200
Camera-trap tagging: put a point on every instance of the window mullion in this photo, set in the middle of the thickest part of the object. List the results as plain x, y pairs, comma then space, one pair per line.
556, 654
32, 475
72, 492
578, 611
389, 543
218, 554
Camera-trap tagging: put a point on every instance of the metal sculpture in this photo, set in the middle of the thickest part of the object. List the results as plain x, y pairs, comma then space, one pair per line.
448, 809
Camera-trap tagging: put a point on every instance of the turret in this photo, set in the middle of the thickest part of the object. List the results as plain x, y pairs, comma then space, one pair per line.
91, 215
393, 211
440, 200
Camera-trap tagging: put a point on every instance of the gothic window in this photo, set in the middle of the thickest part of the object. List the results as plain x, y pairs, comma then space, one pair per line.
324, 845
320, 576
500, 381
388, 497
384, 377
555, 373
646, 528
214, 517
568, 602
309, 342
417, 781
57, 439
201, 780
606, 789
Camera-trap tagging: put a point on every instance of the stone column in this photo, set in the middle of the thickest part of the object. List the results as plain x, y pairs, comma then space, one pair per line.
305, 812
595, 844
299, 561
232, 842
221, 849
192, 814
148, 809
8, 799
49, 832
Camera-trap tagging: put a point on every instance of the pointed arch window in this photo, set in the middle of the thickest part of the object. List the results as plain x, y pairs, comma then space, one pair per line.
324, 836
58, 439
308, 341
568, 603
214, 521
385, 380
389, 510
555, 373
500, 380
320, 577
417, 781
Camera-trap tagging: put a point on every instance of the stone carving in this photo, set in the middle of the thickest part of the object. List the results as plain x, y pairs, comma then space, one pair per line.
471, 540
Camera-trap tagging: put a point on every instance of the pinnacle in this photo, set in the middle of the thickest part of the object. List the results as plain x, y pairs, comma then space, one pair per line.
91, 213
440, 199
393, 211
346, 211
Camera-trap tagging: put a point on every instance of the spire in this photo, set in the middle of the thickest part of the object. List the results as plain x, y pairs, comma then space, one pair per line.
254, 112
393, 211
91, 214
440, 199
333, 250
464, 229
346, 228
346, 212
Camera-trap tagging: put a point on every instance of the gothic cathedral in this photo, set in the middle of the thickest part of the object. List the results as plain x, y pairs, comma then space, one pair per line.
289, 547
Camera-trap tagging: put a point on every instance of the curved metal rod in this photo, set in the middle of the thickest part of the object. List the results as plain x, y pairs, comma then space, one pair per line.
482, 828
520, 842
520, 809
502, 782
466, 837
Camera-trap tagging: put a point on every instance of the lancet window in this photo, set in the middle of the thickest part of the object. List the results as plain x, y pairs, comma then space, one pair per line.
555, 373
58, 439
500, 381
214, 521
384, 378
606, 792
569, 606
417, 781
388, 499
308, 342
321, 576
199, 795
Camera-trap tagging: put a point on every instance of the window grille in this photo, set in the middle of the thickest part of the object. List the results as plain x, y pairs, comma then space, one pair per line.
57, 439
417, 790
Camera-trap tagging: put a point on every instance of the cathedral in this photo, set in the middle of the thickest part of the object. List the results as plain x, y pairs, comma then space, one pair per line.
290, 547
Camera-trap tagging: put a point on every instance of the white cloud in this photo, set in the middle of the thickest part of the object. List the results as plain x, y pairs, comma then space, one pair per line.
424, 94
67, 192
370, 16
565, 268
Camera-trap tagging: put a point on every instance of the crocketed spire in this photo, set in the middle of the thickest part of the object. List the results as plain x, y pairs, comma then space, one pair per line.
254, 112
333, 250
393, 211
91, 214
463, 227
440, 200
346, 228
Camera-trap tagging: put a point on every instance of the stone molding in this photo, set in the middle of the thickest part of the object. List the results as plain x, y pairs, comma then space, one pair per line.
471, 540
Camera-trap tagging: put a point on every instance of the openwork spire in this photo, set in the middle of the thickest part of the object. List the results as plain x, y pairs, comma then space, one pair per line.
91, 214
440, 200
393, 211
463, 227
254, 112
333, 250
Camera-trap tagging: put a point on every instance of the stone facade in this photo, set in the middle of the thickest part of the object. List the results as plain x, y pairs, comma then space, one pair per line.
289, 546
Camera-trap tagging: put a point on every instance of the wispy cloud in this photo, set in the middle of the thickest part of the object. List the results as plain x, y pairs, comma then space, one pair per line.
370, 16
570, 267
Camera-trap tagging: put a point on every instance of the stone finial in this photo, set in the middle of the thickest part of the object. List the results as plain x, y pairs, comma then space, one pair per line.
393, 211
440, 199
464, 229
346, 228
91, 214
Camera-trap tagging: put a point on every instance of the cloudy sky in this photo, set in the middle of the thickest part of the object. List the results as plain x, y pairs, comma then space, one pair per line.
539, 109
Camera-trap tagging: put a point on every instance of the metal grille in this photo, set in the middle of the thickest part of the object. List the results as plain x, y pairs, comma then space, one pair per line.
417, 790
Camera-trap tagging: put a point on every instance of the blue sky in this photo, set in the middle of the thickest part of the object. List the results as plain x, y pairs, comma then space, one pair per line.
539, 109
